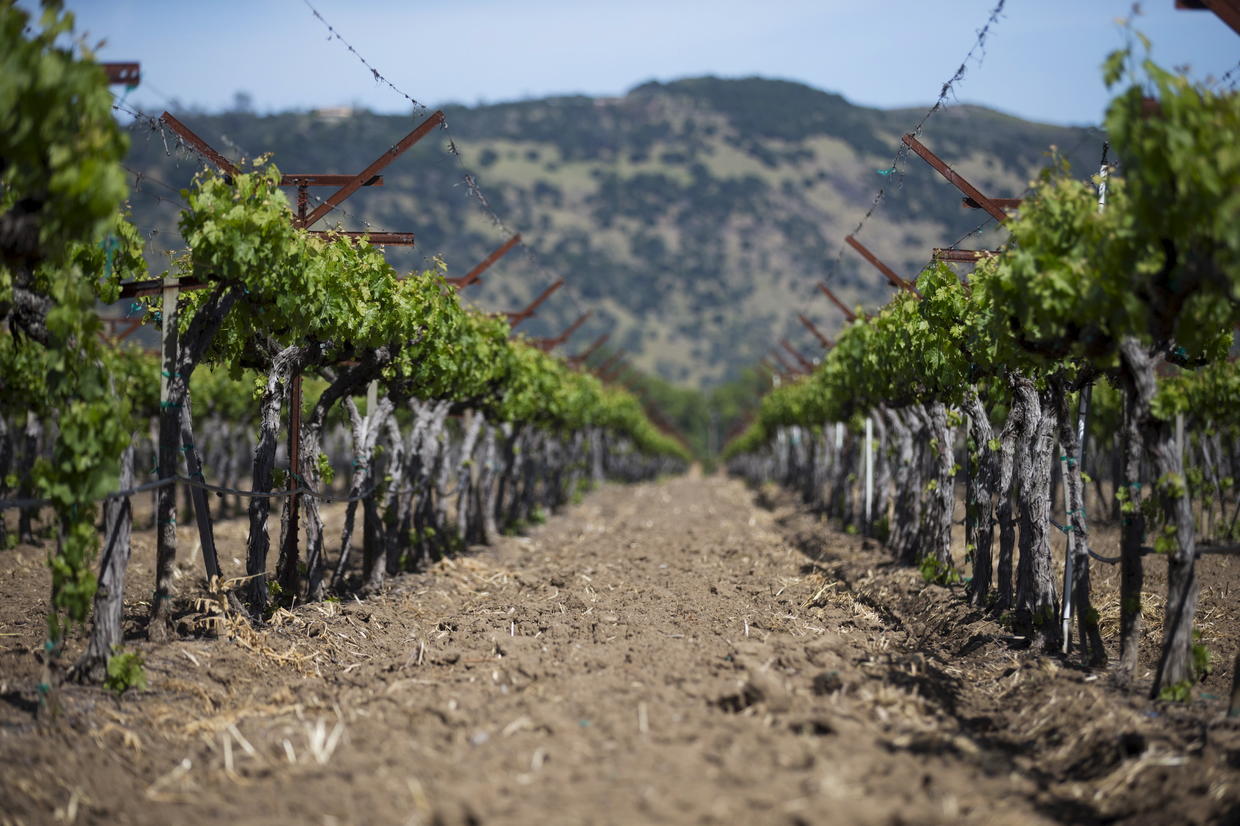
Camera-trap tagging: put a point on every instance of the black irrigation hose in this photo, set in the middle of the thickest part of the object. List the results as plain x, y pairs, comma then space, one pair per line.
12, 504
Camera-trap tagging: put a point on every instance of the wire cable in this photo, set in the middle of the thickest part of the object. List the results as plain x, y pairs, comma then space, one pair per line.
468, 178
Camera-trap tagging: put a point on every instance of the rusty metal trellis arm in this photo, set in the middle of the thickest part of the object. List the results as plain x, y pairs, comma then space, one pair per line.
422, 130
391, 239
809, 325
120, 329
609, 376
621, 369
129, 74
581, 357
962, 256
516, 318
607, 365
1002, 203
574, 327
303, 179
1227, 10
199, 144
498, 253
954, 178
806, 364
549, 344
848, 314
896, 280
788, 369
155, 286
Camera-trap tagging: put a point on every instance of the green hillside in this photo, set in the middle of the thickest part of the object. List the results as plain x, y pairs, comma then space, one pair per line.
695, 216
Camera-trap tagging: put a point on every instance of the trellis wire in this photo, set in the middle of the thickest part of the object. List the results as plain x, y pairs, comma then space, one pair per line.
303, 490
468, 178
902, 151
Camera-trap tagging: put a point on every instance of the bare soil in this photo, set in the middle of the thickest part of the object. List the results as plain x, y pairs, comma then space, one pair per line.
680, 652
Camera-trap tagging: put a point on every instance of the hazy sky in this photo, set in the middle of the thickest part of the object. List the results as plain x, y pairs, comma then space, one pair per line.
1042, 61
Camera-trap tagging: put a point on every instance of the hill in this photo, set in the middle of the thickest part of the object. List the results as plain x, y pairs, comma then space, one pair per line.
694, 216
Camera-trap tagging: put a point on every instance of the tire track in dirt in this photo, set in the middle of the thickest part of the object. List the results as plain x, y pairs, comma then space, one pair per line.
659, 653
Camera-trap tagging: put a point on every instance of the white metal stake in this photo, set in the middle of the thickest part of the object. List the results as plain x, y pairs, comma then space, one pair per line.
372, 403
167, 339
1080, 440
869, 471
1179, 439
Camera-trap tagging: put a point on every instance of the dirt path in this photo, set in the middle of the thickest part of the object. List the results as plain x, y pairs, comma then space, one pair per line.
663, 653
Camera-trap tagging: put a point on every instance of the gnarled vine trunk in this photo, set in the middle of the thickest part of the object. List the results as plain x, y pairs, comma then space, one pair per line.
907, 481
263, 476
1013, 442
466, 472
880, 519
1037, 603
937, 514
1078, 537
1176, 667
488, 485
983, 472
106, 632
342, 386
365, 431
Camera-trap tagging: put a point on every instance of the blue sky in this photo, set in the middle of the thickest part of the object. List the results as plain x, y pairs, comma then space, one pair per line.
1041, 62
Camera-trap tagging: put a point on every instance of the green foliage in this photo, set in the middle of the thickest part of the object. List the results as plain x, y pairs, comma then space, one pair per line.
125, 671
326, 472
58, 140
60, 148
1161, 263
1210, 395
935, 572
1202, 662
658, 173
67, 246
1181, 692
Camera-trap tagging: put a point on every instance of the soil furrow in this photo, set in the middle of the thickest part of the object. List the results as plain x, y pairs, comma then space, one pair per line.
661, 653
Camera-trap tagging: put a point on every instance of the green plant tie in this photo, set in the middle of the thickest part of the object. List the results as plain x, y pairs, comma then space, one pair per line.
169, 404
168, 375
43, 688
109, 244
